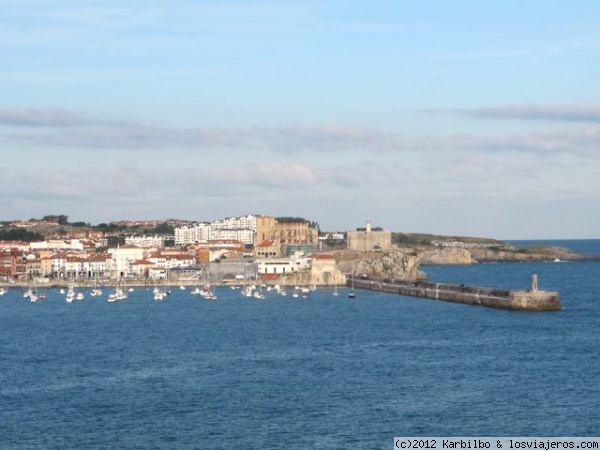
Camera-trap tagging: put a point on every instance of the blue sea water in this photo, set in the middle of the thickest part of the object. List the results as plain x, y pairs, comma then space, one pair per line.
319, 373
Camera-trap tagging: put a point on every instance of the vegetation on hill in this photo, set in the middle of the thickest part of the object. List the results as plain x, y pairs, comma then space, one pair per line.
20, 234
428, 239
53, 225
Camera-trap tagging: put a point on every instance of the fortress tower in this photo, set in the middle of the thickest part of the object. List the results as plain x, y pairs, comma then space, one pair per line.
368, 240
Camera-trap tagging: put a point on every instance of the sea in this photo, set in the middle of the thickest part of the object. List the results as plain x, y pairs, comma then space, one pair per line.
323, 372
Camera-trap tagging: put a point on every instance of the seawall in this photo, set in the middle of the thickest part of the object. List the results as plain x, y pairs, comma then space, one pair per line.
469, 295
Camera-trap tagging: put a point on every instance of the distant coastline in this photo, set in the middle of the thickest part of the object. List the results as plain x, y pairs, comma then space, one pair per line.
589, 247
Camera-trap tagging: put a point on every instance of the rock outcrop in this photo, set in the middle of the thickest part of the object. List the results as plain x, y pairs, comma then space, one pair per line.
446, 256
393, 265
518, 254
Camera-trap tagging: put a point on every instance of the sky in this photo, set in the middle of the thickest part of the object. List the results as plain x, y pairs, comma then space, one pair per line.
452, 117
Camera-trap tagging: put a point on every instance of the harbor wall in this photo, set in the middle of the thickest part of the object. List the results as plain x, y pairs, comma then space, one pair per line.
469, 295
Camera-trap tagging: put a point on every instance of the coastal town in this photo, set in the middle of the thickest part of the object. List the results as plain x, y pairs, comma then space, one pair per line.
231, 250
234, 250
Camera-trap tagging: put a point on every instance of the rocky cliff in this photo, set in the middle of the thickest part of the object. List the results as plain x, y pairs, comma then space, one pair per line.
452, 255
446, 256
393, 265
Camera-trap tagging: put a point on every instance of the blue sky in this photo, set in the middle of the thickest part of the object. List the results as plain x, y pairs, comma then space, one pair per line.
448, 117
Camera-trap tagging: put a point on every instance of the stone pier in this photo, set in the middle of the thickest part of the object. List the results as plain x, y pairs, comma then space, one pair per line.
532, 300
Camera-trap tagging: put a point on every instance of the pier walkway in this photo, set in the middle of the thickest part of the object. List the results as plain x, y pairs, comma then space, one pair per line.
533, 300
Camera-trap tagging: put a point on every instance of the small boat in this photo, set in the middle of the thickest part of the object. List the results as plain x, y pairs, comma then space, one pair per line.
196, 291
247, 291
96, 291
118, 294
70, 293
208, 293
351, 294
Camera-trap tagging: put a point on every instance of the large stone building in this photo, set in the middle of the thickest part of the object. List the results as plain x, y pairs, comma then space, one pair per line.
369, 240
285, 233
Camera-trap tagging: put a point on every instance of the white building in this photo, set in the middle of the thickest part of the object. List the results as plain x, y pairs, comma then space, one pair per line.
95, 266
243, 235
57, 244
121, 259
180, 260
59, 262
74, 267
159, 261
155, 241
237, 228
192, 234
282, 265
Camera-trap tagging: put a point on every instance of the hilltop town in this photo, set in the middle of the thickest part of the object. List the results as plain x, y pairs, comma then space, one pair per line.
289, 250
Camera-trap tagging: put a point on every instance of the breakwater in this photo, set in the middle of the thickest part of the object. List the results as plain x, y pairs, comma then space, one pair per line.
532, 300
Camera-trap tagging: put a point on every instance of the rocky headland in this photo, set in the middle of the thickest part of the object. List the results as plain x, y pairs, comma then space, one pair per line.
404, 262
430, 256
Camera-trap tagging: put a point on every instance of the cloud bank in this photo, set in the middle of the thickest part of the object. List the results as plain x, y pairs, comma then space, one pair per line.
582, 112
61, 128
